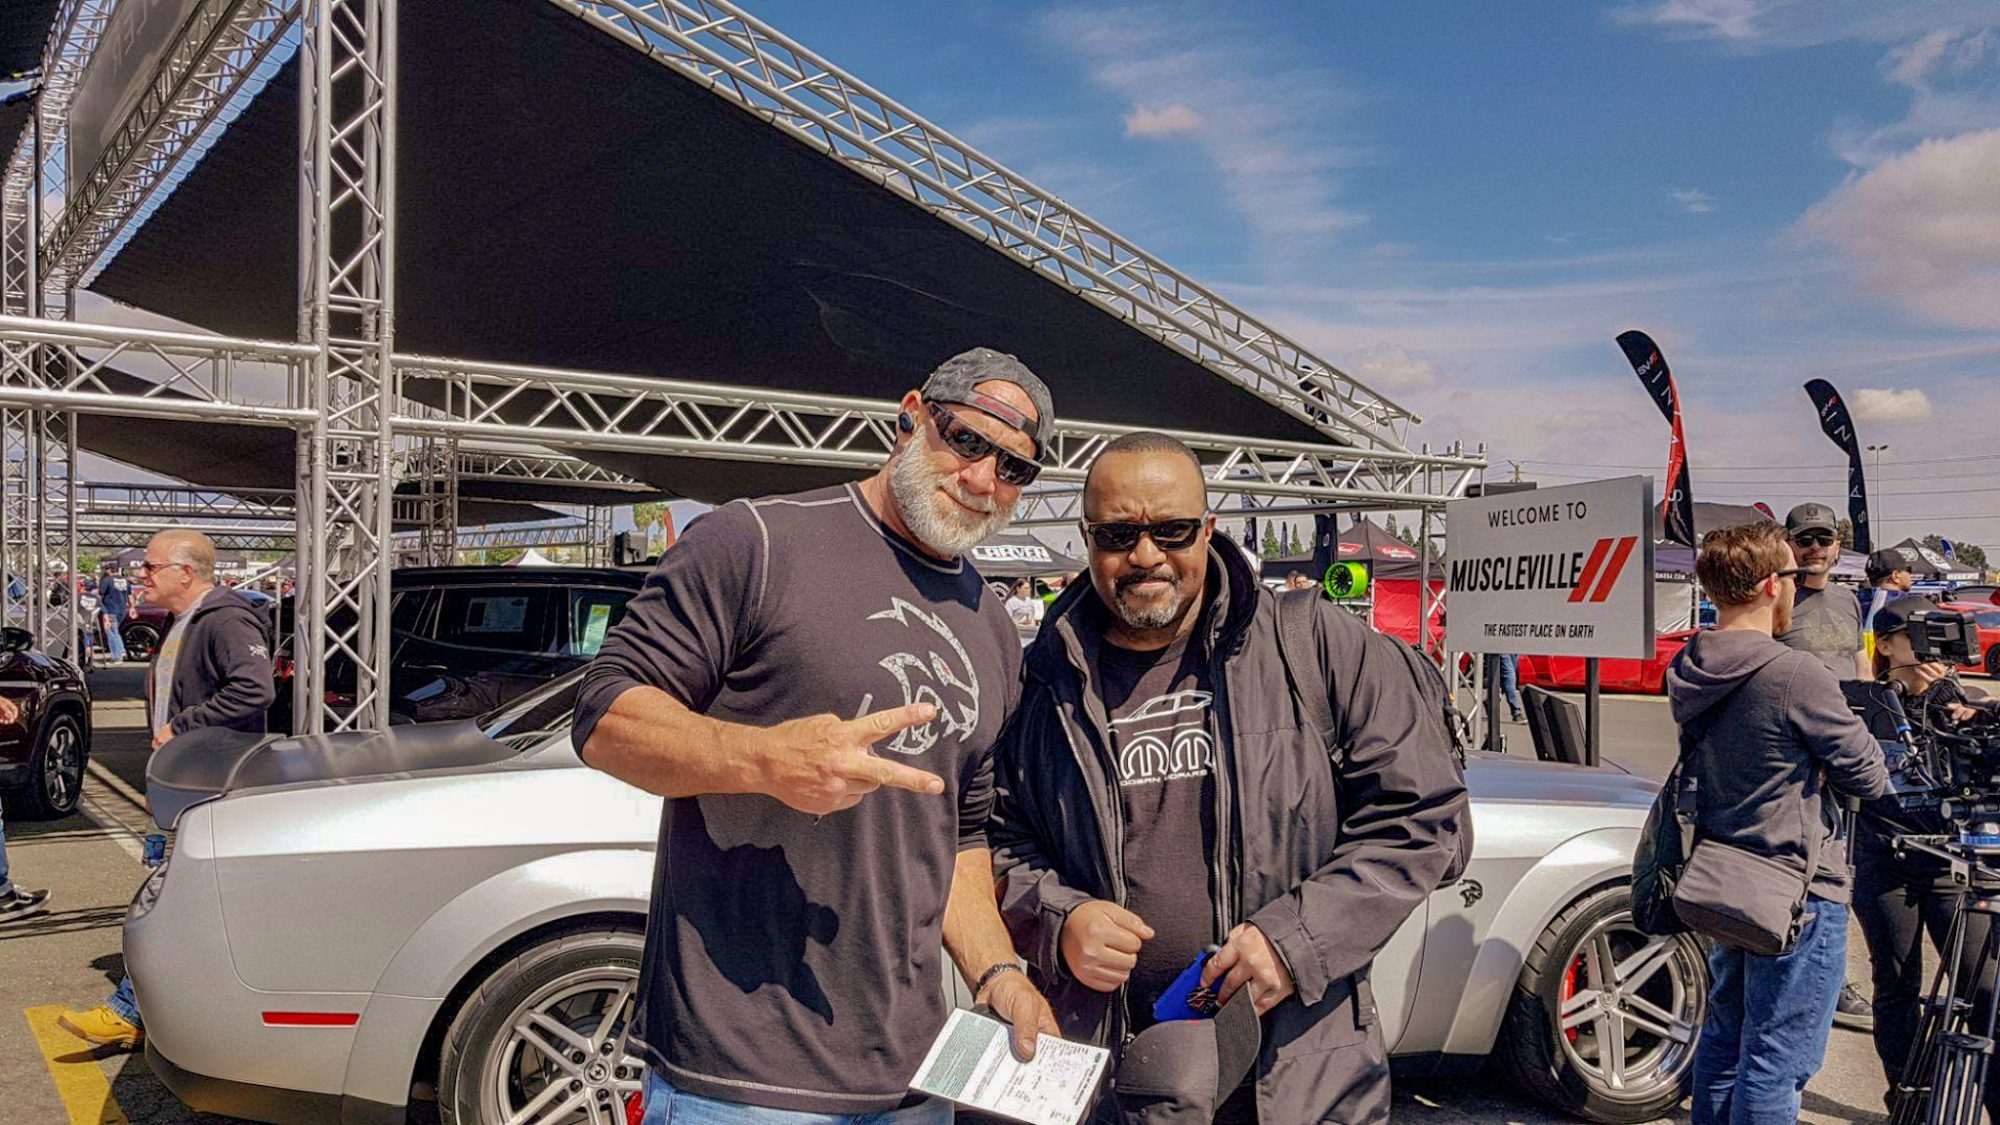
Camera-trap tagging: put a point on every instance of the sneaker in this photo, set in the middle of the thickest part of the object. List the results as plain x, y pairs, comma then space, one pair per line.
22, 904
102, 1027
1853, 1012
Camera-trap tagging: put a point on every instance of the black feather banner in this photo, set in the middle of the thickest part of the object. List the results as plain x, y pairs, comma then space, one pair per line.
1834, 420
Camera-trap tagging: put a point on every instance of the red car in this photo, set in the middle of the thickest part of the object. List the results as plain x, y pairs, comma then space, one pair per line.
1988, 618
1629, 677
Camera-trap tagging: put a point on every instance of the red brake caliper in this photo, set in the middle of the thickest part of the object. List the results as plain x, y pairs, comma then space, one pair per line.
1568, 990
635, 1108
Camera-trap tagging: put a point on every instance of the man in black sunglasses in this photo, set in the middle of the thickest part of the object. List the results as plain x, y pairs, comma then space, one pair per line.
1826, 622
1165, 789
816, 683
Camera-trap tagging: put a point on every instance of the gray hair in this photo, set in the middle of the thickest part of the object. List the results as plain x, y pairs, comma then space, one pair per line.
186, 545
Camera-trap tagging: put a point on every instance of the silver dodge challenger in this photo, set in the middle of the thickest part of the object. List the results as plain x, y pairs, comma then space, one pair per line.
351, 926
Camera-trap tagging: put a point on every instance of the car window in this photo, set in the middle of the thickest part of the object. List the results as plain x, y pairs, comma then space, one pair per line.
408, 609
1988, 620
507, 618
544, 709
592, 613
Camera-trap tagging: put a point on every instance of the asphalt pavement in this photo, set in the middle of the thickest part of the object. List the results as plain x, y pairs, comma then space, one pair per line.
70, 957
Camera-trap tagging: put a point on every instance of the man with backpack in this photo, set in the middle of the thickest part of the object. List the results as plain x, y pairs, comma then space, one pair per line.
1198, 762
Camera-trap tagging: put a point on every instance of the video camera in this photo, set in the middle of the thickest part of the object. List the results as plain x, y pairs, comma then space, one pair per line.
1939, 773
1944, 636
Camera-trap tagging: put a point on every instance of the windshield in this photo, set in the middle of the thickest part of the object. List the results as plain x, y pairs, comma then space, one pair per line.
544, 710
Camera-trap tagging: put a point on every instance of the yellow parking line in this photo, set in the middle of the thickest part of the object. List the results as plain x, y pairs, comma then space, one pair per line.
85, 1092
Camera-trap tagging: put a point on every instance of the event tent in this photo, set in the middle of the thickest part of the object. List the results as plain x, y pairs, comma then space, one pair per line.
1017, 554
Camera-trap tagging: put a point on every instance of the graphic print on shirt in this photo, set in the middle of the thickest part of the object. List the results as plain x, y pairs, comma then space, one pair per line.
942, 677
1165, 739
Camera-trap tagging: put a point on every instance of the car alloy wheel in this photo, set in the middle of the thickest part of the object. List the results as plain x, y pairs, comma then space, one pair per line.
1630, 1009
1993, 662
543, 1039
1604, 1018
56, 784
566, 1058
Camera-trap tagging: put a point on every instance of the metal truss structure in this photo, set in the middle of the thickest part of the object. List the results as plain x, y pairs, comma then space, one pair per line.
781, 82
367, 418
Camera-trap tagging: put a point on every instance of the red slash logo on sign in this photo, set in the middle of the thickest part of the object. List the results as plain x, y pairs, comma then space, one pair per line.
1619, 550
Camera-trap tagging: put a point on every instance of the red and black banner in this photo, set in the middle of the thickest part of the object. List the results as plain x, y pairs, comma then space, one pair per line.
1834, 420
1677, 509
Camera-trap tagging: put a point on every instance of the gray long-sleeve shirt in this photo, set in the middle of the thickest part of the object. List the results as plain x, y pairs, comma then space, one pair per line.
1774, 732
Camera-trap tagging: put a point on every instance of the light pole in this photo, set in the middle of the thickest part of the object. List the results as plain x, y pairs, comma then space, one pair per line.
1878, 451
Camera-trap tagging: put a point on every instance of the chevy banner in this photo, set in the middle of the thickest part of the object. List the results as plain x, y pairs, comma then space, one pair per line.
1553, 571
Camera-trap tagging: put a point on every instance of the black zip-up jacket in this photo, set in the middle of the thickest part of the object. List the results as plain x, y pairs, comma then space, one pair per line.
222, 677
1327, 866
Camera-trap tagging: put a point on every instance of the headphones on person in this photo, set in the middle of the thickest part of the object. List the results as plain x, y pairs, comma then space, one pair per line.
904, 423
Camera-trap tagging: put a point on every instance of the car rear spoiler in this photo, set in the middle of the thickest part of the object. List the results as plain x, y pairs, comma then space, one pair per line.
210, 762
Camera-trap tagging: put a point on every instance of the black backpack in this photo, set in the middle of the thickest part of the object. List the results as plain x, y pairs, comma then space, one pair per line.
1296, 609
1664, 847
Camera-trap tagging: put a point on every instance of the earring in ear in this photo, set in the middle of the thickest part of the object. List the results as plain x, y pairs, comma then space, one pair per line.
904, 423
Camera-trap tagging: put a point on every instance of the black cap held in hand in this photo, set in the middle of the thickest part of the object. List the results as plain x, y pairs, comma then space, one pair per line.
1196, 1064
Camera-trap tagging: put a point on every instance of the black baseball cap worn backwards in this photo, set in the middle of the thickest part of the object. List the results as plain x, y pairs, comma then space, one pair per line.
955, 379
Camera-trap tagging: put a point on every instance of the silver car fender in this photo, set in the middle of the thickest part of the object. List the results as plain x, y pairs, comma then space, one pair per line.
1559, 879
464, 932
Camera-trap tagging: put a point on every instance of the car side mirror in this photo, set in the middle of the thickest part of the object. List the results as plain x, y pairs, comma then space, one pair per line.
15, 639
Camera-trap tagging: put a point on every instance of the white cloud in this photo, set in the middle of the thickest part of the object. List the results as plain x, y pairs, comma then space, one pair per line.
1756, 25
1692, 201
1925, 228
1887, 407
1167, 120
1720, 19
1391, 367
1265, 125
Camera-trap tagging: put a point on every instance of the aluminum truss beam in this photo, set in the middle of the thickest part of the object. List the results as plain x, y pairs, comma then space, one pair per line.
781, 82
347, 192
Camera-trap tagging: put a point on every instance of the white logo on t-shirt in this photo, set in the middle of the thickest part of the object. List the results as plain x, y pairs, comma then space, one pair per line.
1166, 739
944, 680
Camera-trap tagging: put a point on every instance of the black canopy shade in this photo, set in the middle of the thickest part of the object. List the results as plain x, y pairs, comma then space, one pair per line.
564, 200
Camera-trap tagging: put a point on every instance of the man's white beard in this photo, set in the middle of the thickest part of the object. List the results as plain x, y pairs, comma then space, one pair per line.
925, 500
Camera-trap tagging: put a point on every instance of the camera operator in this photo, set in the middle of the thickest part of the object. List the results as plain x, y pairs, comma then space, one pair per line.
1899, 897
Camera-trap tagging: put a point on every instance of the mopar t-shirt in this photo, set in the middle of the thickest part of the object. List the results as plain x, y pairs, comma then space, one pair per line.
114, 596
1826, 623
793, 961
1163, 757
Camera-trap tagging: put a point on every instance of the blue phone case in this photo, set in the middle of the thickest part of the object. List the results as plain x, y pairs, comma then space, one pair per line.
1186, 999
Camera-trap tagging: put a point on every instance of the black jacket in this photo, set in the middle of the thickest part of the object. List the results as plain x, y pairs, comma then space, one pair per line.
222, 677
1327, 866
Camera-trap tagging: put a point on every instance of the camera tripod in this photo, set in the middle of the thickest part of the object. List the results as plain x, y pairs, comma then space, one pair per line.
1943, 1079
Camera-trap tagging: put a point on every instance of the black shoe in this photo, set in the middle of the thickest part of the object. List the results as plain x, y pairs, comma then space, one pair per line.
22, 903
1853, 1012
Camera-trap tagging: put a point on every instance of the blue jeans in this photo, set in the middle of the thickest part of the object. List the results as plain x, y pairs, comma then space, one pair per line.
1768, 1019
6, 884
114, 639
123, 1002
1510, 682
666, 1105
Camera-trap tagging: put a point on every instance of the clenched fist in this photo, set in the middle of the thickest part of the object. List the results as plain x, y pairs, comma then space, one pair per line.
1100, 943
822, 763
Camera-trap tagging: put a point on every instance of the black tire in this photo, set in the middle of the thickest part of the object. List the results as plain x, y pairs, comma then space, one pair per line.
1563, 1067
55, 772
489, 1069
141, 641
1993, 662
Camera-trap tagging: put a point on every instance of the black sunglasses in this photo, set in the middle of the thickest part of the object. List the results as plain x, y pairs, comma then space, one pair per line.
970, 445
1813, 539
1795, 571
1167, 535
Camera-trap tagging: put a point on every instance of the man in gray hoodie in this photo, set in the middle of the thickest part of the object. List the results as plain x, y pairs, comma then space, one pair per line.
1768, 732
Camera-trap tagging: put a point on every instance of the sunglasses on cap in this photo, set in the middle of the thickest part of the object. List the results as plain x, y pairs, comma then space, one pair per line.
1167, 535
971, 446
1813, 539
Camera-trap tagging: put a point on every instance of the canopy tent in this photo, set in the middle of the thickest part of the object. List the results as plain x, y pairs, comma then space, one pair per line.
531, 557
1394, 573
1929, 565
1017, 554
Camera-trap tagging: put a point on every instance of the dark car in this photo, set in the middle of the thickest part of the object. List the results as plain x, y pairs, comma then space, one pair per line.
465, 639
42, 756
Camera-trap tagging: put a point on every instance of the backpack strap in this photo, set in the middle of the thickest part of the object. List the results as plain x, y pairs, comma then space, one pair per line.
1301, 656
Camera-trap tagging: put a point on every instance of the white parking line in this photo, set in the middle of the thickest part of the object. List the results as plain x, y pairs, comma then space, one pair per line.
103, 813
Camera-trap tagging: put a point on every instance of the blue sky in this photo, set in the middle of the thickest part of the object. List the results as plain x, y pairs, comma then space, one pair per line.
1464, 204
